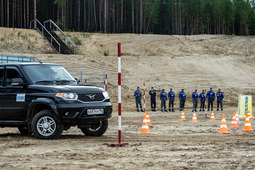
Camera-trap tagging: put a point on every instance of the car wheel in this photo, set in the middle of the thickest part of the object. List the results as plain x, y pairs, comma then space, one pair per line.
24, 130
45, 125
98, 129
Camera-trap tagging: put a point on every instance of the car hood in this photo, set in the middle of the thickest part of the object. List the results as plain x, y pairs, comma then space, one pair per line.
67, 89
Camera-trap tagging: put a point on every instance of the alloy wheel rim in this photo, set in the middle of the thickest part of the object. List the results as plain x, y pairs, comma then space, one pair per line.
46, 126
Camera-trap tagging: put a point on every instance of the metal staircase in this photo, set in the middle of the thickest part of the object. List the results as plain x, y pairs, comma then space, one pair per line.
55, 36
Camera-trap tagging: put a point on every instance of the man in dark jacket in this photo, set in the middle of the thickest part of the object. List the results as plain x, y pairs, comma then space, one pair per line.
202, 97
194, 97
182, 97
152, 92
220, 97
138, 96
171, 98
211, 97
163, 99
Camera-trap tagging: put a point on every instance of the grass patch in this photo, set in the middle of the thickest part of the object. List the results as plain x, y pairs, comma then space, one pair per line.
106, 53
19, 34
85, 35
2, 39
77, 41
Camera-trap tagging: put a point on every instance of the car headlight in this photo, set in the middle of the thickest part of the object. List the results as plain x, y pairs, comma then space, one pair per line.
106, 95
67, 96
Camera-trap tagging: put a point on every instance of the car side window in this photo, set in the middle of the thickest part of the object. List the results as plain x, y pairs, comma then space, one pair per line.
1, 76
11, 74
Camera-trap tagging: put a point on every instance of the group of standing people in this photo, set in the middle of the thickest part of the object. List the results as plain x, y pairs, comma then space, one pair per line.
210, 96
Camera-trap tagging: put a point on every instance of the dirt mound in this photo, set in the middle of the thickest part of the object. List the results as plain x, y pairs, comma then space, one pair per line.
22, 41
162, 61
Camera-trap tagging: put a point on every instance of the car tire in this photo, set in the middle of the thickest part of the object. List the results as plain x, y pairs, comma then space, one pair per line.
98, 129
24, 130
45, 125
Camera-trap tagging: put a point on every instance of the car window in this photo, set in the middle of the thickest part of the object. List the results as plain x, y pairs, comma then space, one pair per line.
11, 74
1, 76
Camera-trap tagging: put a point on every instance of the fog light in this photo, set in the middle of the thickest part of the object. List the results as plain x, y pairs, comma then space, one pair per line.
67, 113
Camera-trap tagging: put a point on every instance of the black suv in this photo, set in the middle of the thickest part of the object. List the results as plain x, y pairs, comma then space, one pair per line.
44, 99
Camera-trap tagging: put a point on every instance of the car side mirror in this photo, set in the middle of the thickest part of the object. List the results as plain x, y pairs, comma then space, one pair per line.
18, 82
78, 80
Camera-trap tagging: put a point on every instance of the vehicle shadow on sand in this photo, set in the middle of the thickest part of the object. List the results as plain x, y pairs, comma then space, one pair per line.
66, 136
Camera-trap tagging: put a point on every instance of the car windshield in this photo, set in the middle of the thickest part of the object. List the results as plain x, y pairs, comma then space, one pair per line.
49, 74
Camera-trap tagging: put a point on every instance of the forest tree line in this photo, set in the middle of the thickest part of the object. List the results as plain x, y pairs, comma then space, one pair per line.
180, 17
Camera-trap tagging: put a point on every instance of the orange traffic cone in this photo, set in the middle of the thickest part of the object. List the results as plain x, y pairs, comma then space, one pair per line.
249, 114
145, 127
247, 126
148, 119
194, 118
237, 117
223, 126
234, 122
212, 117
182, 116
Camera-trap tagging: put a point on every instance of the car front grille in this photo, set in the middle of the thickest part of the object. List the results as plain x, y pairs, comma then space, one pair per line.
91, 97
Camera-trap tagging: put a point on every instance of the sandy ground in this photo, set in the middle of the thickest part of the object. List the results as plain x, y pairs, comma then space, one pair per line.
172, 145
234, 75
161, 61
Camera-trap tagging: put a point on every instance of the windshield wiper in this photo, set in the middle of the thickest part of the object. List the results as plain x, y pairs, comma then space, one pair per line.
45, 81
64, 80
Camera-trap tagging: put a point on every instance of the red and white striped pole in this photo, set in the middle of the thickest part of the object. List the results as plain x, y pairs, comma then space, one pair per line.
205, 105
119, 100
119, 91
144, 97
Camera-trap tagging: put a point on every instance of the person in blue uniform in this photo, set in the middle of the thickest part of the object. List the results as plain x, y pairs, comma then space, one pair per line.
163, 99
182, 97
211, 97
220, 97
194, 97
202, 97
138, 97
171, 98
152, 93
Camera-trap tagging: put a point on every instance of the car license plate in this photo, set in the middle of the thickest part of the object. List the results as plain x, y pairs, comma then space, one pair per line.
95, 111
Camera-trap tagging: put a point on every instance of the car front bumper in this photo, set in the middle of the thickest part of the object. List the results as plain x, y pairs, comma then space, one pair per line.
77, 113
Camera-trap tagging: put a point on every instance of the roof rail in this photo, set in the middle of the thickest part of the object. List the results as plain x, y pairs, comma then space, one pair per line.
17, 59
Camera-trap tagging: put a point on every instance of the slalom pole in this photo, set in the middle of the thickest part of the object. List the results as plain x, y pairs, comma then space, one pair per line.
105, 82
205, 105
119, 101
144, 97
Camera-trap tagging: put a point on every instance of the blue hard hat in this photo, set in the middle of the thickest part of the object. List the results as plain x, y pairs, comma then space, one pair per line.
182, 89
210, 87
163, 89
195, 89
219, 89
138, 87
203, 90
152, 87
171, 89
